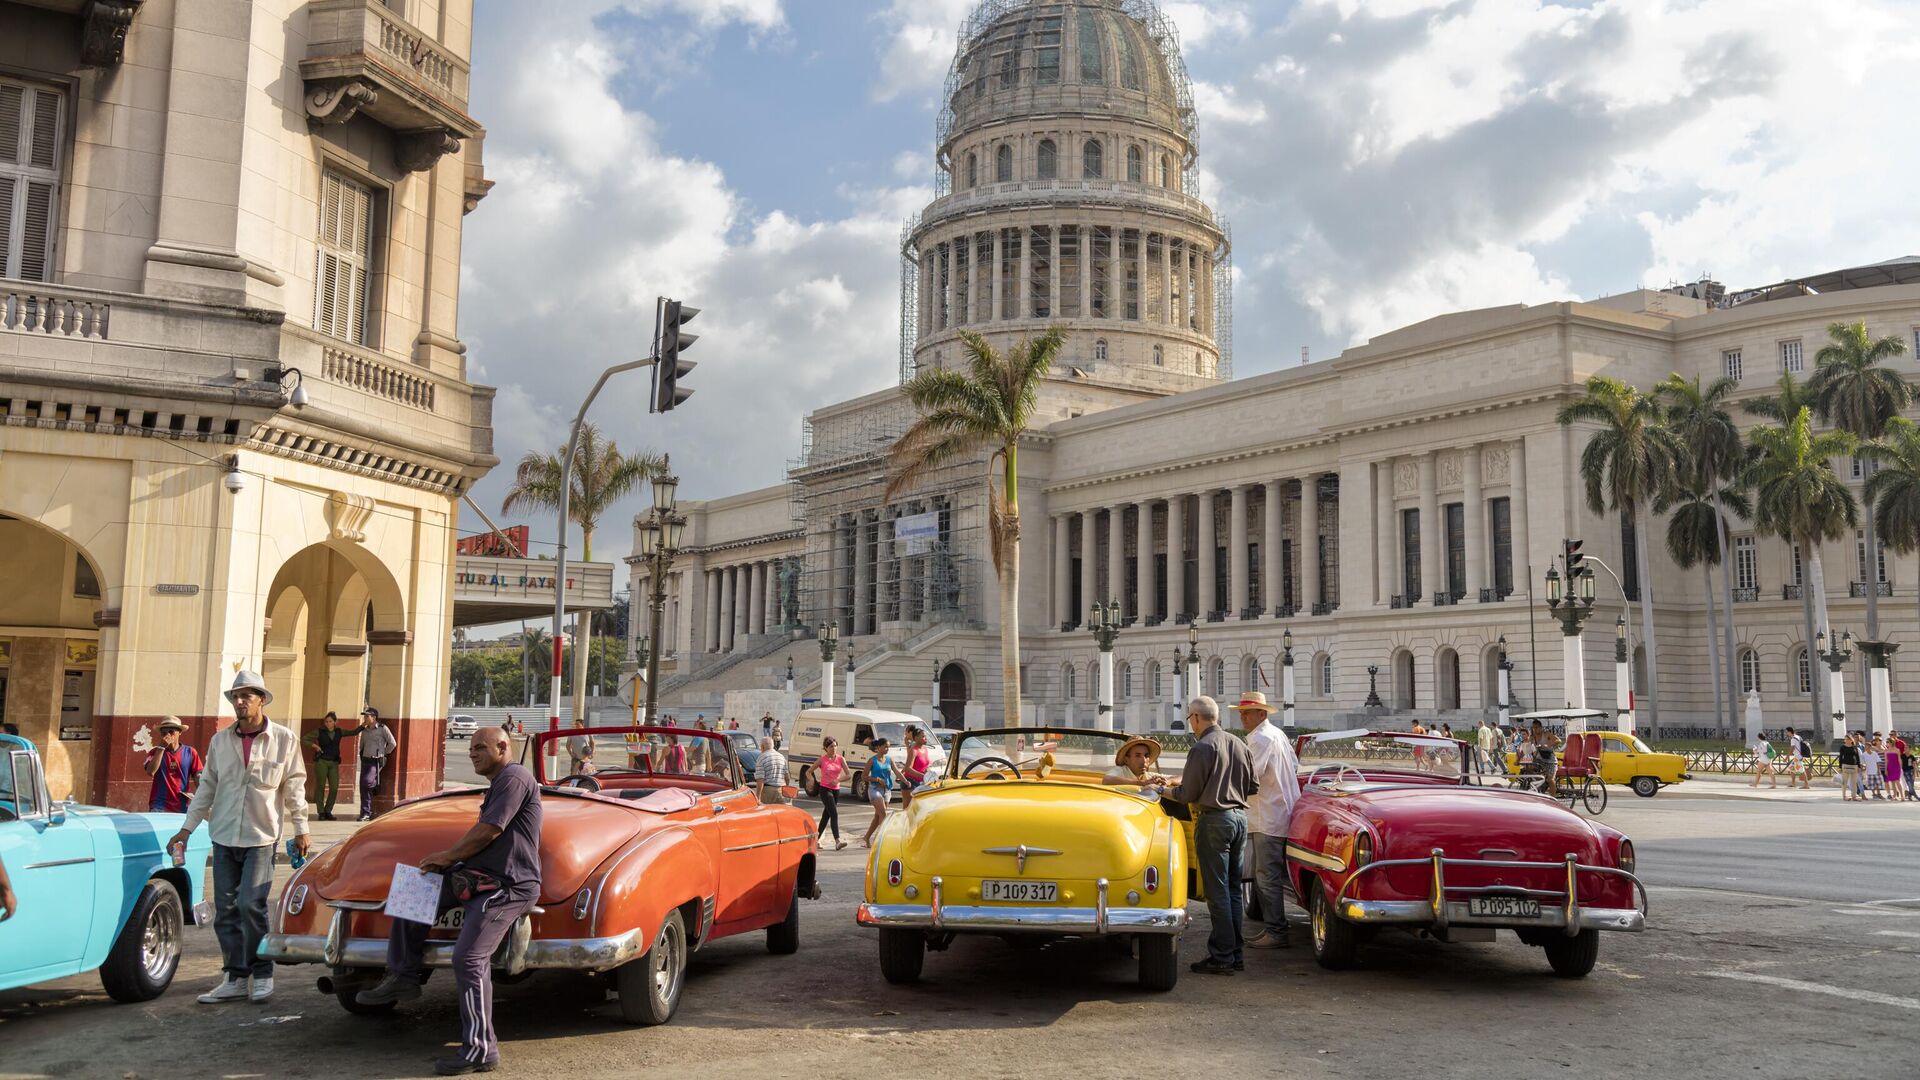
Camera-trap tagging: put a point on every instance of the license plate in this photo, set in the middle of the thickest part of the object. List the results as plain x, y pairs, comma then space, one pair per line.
1033, 892
1503, 907
452, 920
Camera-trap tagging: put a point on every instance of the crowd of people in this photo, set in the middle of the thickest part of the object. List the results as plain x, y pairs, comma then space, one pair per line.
1876, 767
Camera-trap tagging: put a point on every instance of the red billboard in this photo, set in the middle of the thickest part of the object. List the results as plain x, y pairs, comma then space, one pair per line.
509, 543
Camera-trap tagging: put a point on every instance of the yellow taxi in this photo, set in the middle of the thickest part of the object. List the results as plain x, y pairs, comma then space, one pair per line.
1624, 758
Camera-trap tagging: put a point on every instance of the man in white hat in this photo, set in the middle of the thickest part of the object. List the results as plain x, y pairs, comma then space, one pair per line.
254, 777
1269, 814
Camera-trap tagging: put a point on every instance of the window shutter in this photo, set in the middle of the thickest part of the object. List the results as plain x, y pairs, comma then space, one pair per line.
13, 104
344, 253
7, 184
36, 231
30, 120
44, 145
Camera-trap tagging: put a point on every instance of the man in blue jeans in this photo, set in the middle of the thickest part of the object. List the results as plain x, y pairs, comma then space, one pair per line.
1217, 780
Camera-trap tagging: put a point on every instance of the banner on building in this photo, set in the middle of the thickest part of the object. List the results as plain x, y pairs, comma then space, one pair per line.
915, 533
508, 543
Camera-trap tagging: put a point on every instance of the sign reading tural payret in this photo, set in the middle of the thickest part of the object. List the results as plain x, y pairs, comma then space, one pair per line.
916, 533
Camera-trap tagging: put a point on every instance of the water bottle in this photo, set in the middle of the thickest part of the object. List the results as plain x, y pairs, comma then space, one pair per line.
294, 858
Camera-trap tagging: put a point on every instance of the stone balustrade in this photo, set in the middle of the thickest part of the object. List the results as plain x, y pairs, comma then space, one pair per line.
348, 367
1127, 193
36, 309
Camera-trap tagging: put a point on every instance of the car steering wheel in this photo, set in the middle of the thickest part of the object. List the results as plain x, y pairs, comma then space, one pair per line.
1339, 769
579, 781
977, 762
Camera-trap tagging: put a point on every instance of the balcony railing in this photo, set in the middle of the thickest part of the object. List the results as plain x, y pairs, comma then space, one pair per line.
1746, 596
376, 378
1446, 599
1325, 609
1399, 600
1283, 612
363, 58
1216, 616
1859, 589
1789, 592
29, 311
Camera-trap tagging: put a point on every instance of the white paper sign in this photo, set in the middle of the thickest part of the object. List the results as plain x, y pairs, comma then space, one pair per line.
917, 532
414, 895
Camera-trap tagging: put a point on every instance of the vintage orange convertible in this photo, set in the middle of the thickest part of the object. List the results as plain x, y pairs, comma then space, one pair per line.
659, 851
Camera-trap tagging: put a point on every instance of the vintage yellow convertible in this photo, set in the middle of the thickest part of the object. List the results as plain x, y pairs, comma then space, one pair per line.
1022, 837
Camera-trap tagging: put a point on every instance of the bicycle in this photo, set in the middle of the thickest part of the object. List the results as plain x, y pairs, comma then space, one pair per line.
1586, 790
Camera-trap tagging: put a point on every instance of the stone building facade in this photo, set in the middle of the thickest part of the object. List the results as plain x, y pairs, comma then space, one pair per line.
1394, 507
235, 421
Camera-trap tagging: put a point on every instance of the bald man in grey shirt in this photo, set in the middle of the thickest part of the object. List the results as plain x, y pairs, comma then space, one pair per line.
1216, 781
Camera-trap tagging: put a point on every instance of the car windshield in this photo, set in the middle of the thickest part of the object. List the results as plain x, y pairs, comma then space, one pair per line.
1378, 755
1035, 754
1638, 745
646, 751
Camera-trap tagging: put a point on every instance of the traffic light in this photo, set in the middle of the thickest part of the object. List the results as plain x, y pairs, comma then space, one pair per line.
672, 342
1576, 562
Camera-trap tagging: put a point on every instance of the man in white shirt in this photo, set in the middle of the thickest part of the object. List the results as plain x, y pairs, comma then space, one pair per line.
1269, 813
253, 779
1488, 740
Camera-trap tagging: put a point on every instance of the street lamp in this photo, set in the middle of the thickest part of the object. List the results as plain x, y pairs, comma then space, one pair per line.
853, 696
1193, 662
1373, 688
661, 533
789, 673
933, 698
1506, 683
1105, 624
828, 635
1622, 684
1835, 660
1572, 607
1286, 678
1879, 691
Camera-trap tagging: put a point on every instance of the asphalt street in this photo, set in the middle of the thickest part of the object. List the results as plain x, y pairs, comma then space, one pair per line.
1782, 942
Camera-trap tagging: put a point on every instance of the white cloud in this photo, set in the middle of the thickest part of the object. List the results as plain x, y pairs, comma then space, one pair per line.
918, 47
758, 14
1201, 23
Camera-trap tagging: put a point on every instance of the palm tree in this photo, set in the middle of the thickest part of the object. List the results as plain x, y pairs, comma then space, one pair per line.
1629, 461
1781, 407
1855, 394
601, 476
1893, 491
1696, 536
1705, 430
1797, 495
990, 405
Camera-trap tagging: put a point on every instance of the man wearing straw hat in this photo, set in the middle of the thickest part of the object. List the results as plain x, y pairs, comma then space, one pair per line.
1269, 813
254, 778
173, 767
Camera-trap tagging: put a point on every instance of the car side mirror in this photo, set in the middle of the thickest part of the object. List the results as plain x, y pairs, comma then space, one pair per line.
57, 814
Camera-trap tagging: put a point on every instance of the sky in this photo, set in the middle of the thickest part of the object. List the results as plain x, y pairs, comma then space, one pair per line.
1380, 162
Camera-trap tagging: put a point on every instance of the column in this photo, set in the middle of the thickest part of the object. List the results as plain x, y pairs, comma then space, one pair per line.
1147, 604
1389, 548
1053, 275
1166, 280
757, 607
953, 284
1085, 248
723, 613
1140, 280
1176, 553
1272, 588
1117, 282
1517, 512
1432, 547
862, 576
1306, 543
994, 286
1238, 598
1024, 302
1209, 601
713, 611
1089, 583
1475, 514
889, 575
1062, 567
1117, 557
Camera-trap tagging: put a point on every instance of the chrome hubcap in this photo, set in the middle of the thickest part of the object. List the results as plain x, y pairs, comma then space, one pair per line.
160, 939
666, 962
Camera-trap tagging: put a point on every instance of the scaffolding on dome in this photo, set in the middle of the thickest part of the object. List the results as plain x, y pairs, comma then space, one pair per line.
909, 297
1166, 37
839, 475
1223, 301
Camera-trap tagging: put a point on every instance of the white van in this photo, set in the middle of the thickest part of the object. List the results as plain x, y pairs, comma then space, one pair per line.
853, 729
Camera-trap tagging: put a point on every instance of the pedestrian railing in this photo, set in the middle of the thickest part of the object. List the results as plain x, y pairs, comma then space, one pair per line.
1742, 763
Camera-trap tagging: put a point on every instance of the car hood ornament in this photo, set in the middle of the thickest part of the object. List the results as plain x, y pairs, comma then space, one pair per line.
1019, 853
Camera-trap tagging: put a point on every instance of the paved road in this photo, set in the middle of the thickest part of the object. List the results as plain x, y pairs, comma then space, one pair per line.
1753, 967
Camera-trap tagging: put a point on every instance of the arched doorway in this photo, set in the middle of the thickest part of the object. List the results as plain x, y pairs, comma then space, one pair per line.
1446, 678
51, 593
953, 696
1403, 696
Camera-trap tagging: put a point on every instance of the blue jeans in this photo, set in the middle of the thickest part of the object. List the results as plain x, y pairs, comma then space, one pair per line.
242, 877
1220, 841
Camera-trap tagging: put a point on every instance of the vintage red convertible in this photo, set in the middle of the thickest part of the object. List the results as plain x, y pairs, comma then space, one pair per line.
1397, 831
660, 850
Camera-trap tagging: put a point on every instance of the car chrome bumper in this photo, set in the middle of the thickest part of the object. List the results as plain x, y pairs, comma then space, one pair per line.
1099, 919
1683, 776
517, 953
1560, 909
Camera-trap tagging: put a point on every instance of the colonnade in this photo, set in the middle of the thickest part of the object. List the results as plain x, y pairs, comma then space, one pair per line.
876, 577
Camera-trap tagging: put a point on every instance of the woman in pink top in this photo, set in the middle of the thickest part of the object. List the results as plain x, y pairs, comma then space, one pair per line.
827, 773
919, 760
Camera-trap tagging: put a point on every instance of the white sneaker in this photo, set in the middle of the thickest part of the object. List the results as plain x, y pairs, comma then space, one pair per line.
262, 989
230, 989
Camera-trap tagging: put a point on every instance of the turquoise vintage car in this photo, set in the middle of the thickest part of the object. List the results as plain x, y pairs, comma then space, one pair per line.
95, 887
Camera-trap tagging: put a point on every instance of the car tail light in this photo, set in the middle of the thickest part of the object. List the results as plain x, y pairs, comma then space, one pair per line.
1153, 879
580, 903
893, 872
1362, 849
1626, 856
296, 899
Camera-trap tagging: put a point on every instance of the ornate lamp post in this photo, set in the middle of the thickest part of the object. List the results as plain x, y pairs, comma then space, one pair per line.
661, 532
789, 673
1836, 688
853, 698
1879, 693
933, 698
1105, 624
1572, 607
1506, 684
642, 650
1373, 688
1622, 682
1193, 663
1286, 678
828, 636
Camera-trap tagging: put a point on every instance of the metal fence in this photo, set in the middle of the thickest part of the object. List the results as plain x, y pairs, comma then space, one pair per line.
1741, 762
